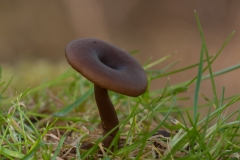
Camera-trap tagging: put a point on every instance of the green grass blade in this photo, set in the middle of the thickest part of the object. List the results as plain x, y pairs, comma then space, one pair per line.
33, 151
5, 88
214, 58
176, 71
11, 153
78, 102
134, 52
217, 73
208, 61
221, 72
57, 151
78, 152
199, 77
157, 61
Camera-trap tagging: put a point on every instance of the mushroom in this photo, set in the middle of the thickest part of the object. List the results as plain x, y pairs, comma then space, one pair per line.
109, 68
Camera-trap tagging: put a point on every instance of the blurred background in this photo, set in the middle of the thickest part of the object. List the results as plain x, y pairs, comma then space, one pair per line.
33, 36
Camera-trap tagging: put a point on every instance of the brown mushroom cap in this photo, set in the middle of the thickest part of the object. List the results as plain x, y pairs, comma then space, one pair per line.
107, 66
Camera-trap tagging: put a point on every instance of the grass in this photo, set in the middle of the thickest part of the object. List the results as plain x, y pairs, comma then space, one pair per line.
58, 119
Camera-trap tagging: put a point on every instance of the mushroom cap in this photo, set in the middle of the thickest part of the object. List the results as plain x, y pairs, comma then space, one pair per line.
107, 66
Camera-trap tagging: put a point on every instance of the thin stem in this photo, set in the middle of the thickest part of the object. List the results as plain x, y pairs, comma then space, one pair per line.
107, 113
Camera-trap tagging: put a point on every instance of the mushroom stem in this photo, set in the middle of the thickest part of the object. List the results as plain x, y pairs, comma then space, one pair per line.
107, 113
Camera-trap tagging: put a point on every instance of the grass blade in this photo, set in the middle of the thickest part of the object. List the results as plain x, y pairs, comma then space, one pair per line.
208, 61
199, 77
11, 153
60, 144
157, 61
78, 102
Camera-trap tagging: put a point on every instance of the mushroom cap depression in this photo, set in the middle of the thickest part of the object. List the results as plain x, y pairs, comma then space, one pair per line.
107, 66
